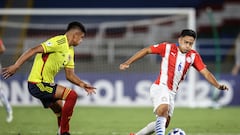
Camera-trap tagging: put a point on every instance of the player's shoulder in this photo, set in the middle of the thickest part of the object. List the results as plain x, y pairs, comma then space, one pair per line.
163, 45
174, 46
59, 39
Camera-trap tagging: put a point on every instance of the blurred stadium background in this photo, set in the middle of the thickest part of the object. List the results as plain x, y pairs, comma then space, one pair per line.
111, 39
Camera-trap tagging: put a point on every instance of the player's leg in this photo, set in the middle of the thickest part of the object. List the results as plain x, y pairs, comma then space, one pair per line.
57, 109
70, 97
7, 106
161, 120
160, 98
236, 68
49, 94
168, 121
148, 129
171, 107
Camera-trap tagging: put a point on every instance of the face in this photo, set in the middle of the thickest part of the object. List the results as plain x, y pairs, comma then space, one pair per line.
77, 37
185, 43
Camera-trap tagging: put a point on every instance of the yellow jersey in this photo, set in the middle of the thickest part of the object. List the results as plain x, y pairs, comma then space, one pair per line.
57, 55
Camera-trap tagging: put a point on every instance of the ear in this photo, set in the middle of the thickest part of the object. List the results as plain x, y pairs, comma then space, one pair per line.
179, 40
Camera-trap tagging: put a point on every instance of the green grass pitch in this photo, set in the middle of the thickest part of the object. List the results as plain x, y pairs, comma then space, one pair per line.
121, 121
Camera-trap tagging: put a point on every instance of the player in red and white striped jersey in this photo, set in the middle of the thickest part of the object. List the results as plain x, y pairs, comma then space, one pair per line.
177, 58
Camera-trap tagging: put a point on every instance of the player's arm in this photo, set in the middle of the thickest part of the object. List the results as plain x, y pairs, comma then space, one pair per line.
72, 77
211, 79
10, 70
135, 57
2, 47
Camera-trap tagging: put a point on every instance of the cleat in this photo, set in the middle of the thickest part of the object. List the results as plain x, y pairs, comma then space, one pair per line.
58, 132
9, 117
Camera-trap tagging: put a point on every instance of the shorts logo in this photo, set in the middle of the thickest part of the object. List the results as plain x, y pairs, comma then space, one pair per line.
164, 99
52, 84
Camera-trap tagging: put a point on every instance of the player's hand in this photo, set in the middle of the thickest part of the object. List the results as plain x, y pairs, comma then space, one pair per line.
9, 71
123, 66
89, 89
223, 87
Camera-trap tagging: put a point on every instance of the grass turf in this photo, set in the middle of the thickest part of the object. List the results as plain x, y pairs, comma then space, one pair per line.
121, 121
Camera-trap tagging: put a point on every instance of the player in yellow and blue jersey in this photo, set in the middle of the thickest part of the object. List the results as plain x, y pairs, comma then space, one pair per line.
51, 56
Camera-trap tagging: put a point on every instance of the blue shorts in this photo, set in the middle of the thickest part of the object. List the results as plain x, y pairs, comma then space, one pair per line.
44, 92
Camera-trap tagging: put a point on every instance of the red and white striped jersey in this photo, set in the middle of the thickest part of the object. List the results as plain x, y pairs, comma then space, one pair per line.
175, 64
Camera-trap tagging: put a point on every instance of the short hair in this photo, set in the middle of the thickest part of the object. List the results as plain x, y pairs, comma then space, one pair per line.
76, 25
188, 32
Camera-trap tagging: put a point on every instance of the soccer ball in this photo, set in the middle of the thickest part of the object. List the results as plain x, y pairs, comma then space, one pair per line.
176, 131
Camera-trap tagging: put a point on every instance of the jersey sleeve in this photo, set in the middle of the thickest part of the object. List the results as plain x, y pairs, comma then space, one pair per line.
158, 49
198, 63
55, 44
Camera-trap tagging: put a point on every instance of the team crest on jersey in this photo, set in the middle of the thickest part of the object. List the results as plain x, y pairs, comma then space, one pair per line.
52, 84
189, 59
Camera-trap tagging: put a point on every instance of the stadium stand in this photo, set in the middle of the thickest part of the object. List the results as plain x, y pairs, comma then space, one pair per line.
119, 32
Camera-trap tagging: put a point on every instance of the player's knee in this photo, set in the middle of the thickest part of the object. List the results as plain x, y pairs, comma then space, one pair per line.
162, 110
72, 95
56, 108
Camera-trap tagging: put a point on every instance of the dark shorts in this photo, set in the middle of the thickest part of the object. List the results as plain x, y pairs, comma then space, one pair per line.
44, 92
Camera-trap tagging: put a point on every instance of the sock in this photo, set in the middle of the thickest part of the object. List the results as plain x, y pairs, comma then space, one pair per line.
160, 125
59, 117
149, 129
59, 120
67, 111
5, 102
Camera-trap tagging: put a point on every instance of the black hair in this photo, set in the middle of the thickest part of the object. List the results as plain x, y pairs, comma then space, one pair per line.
188, 32
76, 25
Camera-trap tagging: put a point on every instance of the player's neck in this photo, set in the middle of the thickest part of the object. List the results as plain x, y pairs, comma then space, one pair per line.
69, 37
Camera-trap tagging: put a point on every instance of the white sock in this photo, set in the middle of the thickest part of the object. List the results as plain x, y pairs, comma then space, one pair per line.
160, 125
5, 102
147, 130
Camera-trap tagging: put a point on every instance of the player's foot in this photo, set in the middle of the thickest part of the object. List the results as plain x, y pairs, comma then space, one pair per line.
58, 132
9, 117
132, 134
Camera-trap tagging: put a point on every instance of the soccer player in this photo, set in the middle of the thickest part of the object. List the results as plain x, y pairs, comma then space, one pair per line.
236, 67
177, 58
3, 98
51, 56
